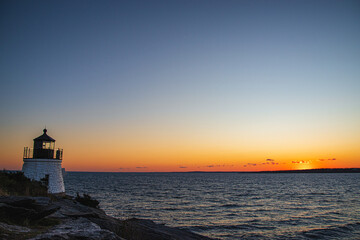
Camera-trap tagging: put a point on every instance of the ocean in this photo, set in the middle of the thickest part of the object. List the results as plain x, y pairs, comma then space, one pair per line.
232, 205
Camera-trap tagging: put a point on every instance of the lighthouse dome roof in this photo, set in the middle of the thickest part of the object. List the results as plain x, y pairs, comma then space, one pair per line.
44, 137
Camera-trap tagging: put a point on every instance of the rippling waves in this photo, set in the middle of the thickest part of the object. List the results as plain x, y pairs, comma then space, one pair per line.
232, 205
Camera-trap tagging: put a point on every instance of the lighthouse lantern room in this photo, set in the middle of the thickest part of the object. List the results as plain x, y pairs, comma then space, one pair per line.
43, 162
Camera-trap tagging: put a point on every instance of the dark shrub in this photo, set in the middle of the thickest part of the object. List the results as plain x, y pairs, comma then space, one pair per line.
15, 183
87, 200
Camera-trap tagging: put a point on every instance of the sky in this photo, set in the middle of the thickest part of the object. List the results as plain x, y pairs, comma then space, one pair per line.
153, 86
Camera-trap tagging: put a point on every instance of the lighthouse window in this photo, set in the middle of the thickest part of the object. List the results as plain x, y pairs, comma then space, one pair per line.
46, 145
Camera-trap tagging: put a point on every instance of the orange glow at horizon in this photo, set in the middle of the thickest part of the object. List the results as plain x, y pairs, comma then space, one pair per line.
178, 152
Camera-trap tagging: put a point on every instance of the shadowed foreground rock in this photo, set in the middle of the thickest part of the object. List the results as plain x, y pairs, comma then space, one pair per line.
140, 229
40, 218
18, 210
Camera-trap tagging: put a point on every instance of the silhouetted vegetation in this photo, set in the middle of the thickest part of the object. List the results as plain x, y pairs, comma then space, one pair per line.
16, 184
319, 170
87, 200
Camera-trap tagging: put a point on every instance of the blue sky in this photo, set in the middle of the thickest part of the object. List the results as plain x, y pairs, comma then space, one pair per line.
212, 65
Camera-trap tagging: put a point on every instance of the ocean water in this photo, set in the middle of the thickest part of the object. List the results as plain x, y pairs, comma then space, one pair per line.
232, 205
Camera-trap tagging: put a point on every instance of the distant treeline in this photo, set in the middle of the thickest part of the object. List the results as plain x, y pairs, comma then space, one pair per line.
321, 170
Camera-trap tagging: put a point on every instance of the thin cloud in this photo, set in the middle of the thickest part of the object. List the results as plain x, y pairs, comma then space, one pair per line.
269, 161
224, 165
141, 167
299, 162
324, 159
182, 167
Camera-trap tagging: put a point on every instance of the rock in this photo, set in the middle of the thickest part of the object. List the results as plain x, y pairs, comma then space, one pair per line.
17, 201
75, 229
14, 228
41, 200
140, 229
71, 220
73, 209
18, 215
12, 232
48, 210
109, 223
70, 207
24, 201
22, 210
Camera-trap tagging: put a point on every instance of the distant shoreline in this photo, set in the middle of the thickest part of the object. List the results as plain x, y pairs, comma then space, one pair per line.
320, 170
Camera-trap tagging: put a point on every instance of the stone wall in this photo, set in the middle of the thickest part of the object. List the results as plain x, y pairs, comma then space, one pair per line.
38, 168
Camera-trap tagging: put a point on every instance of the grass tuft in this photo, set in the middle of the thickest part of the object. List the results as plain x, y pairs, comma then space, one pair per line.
16, 184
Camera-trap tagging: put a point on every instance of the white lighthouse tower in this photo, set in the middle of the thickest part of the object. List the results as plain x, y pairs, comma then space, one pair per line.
43, 163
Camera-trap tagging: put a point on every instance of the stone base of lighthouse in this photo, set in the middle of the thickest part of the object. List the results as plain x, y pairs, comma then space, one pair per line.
38, 169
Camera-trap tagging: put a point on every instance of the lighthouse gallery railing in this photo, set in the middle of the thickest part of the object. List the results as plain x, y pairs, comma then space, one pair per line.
53, 154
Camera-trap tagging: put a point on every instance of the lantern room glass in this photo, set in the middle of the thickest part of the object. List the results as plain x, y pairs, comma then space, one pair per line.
48, 145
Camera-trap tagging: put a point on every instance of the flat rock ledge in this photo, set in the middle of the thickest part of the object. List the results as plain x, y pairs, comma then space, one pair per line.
58, 218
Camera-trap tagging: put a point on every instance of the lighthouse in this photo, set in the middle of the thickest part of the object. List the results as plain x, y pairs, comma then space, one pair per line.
43, 163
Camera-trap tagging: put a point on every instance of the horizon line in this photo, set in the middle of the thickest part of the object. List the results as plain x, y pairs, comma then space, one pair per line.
354, 169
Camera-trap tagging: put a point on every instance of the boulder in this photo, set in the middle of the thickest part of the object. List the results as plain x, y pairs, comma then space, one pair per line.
141, 229
17, 215
22, 210
14, 228
75, 229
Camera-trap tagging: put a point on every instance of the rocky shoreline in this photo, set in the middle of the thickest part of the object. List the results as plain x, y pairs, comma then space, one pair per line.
62, 217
